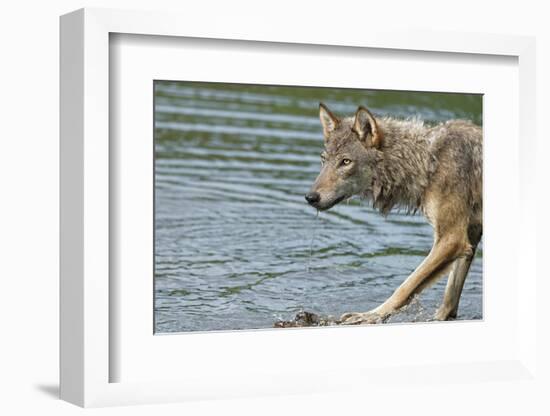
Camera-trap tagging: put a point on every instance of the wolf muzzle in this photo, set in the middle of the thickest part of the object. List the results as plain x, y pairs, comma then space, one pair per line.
313, 198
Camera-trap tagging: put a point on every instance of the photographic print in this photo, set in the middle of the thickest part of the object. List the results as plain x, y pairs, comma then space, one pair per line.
291, 206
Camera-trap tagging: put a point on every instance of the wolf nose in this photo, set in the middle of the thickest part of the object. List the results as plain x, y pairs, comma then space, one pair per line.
313, 197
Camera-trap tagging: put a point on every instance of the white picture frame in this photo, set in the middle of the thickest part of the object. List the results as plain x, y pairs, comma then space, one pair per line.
87, 304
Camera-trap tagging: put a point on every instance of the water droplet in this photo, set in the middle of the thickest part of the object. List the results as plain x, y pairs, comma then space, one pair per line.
313, 234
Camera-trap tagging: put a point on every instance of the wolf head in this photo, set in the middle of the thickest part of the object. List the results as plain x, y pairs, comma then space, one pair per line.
350, 147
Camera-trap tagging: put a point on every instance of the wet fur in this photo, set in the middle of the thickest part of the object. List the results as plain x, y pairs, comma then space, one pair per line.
436, 170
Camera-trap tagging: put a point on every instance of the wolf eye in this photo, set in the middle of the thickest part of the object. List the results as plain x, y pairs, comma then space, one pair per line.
346, 162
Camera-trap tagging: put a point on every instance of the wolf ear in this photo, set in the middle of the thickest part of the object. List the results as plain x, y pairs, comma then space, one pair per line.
328, 120
366, 128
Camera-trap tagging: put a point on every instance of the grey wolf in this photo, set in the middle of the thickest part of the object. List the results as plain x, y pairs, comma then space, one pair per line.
436, 170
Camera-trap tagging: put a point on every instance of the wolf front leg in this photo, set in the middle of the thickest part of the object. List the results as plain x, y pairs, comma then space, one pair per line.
443, 253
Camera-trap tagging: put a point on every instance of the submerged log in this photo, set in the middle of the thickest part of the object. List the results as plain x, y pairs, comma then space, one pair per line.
306, 319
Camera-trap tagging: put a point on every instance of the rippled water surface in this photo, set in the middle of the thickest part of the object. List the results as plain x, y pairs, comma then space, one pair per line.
237, 247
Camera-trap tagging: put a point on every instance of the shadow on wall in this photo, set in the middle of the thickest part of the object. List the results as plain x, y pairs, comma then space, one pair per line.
51, 390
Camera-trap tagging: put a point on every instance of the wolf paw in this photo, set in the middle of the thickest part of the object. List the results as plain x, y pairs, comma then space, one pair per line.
357, 318
444, 314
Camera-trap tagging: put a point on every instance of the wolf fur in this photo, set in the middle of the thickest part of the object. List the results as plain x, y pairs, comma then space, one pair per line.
436, 170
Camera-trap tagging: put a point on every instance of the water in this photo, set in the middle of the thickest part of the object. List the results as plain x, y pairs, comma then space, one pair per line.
236, 245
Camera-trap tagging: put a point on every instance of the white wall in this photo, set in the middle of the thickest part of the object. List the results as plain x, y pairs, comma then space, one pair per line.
29, 189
